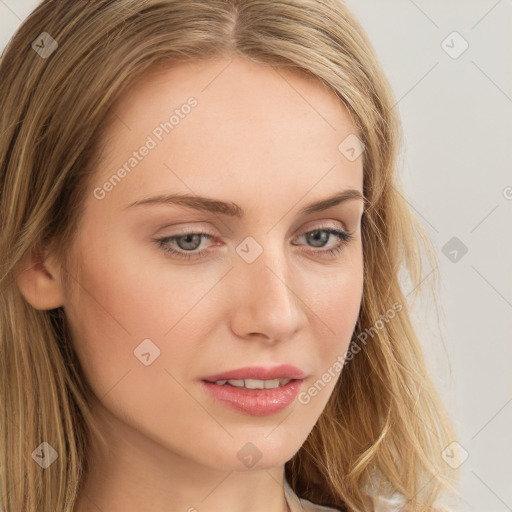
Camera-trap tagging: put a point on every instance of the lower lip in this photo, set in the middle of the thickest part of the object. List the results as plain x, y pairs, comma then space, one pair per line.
256, 402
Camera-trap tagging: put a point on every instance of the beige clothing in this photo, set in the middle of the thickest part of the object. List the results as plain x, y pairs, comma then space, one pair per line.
393, 503
297, 504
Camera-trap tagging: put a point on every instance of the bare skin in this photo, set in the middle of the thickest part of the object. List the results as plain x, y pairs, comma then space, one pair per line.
266, 140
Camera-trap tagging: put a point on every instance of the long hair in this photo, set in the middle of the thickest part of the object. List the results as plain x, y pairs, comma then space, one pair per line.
384, 427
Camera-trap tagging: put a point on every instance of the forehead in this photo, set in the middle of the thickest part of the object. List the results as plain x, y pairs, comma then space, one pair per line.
227, 119
235, 82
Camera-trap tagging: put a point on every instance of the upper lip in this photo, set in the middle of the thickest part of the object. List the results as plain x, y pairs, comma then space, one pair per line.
283, 371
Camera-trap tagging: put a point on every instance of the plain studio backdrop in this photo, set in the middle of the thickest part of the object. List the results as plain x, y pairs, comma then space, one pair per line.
450, 66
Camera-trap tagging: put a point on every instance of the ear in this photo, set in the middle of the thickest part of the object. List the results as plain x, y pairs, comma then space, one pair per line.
39, 280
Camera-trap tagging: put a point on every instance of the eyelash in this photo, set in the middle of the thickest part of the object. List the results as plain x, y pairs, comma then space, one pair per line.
344, 237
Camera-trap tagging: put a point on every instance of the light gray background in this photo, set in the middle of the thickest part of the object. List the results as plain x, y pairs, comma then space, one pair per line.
456, 114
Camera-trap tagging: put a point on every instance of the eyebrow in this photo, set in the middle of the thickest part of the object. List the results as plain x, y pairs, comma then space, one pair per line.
233, 210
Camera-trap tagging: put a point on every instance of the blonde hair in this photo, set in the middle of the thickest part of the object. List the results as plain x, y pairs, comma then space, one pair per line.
384, 426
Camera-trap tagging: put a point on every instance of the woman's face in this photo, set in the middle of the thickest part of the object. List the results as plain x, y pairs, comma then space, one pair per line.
264, 286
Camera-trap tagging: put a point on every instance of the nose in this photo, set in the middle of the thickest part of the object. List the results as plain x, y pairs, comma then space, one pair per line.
266, 298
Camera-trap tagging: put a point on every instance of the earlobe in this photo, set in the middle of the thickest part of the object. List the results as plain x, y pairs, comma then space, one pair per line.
38, 279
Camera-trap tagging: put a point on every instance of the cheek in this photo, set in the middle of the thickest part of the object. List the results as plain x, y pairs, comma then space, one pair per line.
119, 316
335, 304
119, 300
336, 300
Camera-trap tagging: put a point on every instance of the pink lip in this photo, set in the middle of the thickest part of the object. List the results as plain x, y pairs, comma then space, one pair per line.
256, 402
283, 371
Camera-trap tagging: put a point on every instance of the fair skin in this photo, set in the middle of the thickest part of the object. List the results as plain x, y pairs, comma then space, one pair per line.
268, 141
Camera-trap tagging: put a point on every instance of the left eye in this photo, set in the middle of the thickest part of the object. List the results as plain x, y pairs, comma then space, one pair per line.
187, 243
323, 235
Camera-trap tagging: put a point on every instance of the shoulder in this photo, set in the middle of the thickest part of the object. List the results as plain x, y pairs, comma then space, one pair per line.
307, 506
394, 503
302, 505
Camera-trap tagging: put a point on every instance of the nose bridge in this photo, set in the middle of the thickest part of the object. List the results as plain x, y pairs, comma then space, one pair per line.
266, 302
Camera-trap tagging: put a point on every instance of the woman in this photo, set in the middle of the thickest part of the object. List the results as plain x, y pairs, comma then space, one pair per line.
201, 237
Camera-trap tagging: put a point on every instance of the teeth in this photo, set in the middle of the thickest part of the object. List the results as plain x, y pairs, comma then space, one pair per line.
254, 383
261, 384
237, 383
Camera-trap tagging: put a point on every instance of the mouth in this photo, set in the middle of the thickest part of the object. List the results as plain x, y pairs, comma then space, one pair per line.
255, 390
252, 383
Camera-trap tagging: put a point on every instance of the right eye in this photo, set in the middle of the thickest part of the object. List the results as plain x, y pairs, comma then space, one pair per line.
187, 244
